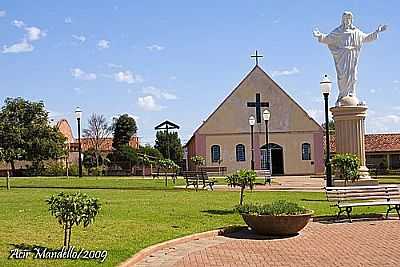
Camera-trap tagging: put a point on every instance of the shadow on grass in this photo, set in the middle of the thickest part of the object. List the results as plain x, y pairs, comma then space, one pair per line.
313, 200
219, 212
28, 247
96, 187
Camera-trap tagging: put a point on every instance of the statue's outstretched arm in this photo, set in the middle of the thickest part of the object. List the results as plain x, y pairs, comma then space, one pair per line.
374, 35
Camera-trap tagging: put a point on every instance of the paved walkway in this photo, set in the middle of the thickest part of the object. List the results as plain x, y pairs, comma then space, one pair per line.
361, 243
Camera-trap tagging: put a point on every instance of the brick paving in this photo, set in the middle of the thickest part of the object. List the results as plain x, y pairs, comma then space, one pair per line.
361, 243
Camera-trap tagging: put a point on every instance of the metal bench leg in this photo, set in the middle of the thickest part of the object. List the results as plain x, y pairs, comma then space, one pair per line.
398, 210
388, 210
340, 212
348, 211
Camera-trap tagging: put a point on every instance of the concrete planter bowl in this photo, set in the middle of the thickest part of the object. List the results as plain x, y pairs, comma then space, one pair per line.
277, 225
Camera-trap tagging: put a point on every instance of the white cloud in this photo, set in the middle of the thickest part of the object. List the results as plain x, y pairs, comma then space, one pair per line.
128, 77
292, 71
68, 20
81, 75
169, 96
372, 91
155, 47
383, 123
276, 21
79, 38
21, 47
103, 44
158, 93
396, 81
114, 66
148, 103
78, 90
172, 78
18, 23
3, 13
34, 33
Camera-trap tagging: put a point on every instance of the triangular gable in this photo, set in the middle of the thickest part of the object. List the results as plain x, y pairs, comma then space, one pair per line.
232, 114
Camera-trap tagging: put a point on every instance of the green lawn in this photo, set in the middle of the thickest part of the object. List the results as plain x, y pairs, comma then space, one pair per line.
140, 215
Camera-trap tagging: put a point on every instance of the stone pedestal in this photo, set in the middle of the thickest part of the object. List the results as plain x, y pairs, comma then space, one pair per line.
349, 120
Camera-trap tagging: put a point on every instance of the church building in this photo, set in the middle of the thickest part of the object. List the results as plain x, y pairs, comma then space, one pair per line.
224, 138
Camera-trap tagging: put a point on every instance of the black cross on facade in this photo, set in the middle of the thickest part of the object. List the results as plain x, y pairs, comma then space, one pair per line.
257, 56
258, 105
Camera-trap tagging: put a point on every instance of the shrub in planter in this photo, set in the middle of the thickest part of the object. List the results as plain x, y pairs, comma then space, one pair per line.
279, 218
346, 166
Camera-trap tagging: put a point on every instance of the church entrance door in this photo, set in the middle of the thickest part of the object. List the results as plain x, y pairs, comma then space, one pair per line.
275, 156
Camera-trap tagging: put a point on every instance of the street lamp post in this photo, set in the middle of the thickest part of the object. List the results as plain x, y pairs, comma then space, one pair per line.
252, 121
266, 116
326, 86
78, 114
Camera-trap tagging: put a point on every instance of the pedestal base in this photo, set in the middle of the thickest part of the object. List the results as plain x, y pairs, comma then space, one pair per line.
349, 120
359, 182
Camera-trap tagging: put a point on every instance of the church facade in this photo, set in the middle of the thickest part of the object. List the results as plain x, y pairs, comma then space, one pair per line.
224, 138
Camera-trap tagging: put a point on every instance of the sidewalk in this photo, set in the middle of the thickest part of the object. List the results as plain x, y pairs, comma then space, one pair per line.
362, 243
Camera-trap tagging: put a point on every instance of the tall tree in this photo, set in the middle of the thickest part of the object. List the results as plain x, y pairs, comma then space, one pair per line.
124, 128
331, 126
25, 133
97, 133
169, 142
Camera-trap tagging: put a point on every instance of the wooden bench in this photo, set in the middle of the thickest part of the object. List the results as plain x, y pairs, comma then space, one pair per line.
266, 174
215, 170
164, 173
345, 198
197, 177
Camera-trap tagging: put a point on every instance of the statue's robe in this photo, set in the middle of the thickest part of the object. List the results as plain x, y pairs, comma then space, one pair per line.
345, 46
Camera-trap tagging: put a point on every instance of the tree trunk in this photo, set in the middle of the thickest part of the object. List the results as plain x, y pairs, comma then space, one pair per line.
143, 169
65, 234
12, 168
8, 179
69, 234
241, 194
97, 160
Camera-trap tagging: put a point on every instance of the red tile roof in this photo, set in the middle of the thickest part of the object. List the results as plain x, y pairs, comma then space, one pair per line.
389, 142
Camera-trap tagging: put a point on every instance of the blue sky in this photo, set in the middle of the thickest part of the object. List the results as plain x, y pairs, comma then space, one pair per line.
178, 60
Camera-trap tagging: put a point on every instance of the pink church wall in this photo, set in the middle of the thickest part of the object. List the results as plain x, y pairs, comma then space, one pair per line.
201, 145
319, 152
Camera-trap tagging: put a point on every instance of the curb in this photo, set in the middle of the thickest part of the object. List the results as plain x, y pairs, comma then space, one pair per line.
150, 250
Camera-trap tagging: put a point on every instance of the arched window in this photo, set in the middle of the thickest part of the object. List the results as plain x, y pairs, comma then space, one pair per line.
215, 153
240, 153
306, 151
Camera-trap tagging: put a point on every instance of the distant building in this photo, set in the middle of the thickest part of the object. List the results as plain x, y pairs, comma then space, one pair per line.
86, 144
382, 151
295, 139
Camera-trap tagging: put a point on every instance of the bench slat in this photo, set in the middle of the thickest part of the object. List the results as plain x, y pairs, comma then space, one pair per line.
361, 187
377, 203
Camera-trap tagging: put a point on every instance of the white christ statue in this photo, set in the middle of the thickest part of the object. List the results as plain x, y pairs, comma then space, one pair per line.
345, 44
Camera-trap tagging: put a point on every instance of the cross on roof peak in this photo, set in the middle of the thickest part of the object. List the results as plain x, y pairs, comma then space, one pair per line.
256, 56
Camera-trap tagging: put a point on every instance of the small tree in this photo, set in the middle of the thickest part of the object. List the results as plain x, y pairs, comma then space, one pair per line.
197, 161
346, 166
97, 133
168, 166
243, 177
73, 209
